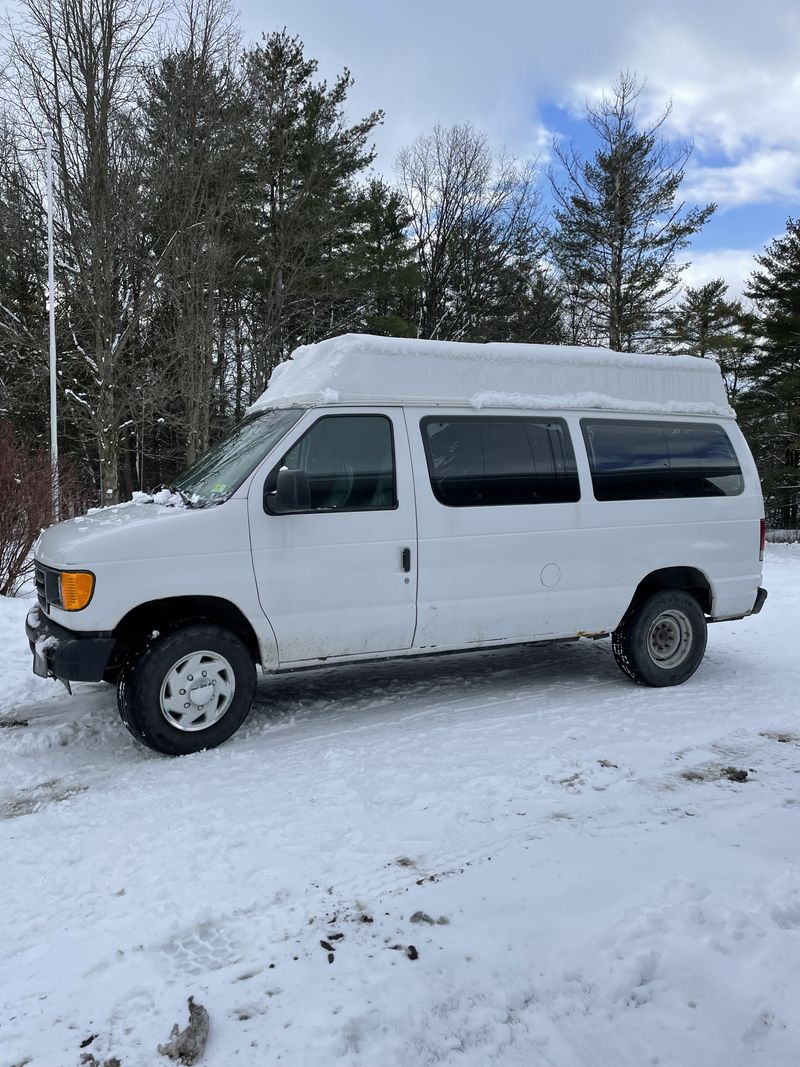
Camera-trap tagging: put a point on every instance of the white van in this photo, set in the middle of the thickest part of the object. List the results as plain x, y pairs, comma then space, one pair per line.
389, 497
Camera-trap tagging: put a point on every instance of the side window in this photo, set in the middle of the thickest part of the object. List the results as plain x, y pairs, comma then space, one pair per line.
637, 460
478, 461
628, 460
343, 463
703, 461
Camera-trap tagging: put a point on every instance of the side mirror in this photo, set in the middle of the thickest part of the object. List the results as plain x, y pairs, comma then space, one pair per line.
292, 492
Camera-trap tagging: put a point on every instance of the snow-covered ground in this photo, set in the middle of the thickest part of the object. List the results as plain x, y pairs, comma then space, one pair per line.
595, 891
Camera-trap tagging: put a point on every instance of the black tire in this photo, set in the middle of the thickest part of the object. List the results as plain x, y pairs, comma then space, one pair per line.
662, 639
141, 686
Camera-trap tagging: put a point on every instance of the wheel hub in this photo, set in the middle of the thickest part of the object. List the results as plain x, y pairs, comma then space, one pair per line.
669, 639
201, 693
197, 691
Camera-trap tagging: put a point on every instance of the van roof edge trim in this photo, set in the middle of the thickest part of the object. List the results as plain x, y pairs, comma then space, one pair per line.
511, 401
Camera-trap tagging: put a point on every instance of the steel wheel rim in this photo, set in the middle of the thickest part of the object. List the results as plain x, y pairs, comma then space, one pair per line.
669, 639
197, 691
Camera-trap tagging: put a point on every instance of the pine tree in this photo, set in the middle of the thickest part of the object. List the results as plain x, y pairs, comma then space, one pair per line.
531, 308
707, 324
385, 274
703, 321
307, 159
194, 112
619, 222
773, 406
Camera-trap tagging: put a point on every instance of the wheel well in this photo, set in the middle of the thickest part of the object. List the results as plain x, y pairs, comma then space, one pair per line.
164, 616
689, 579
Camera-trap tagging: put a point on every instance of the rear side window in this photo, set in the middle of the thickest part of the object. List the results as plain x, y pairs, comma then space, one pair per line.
476, 461
632, 460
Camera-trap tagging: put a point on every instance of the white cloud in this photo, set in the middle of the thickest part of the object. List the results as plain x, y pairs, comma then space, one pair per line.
735, 92
725, 91
768, 174
730, 69
734, 265
453, 60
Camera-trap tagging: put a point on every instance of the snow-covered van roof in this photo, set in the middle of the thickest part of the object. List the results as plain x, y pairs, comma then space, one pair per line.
363, 369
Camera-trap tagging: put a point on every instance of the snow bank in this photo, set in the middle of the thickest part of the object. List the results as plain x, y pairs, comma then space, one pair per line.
18, 684
581, 883
365, 369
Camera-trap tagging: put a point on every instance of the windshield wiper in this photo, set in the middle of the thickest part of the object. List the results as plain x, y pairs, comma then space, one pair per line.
193, 501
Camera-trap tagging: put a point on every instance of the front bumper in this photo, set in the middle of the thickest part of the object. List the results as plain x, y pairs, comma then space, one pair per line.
64, 654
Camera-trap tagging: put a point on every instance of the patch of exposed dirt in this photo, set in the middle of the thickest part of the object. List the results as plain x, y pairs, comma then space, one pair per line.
28, 801
423, 917
781, 737
715, 773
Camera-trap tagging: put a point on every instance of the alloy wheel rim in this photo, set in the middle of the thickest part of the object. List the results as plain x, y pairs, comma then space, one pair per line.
197, 691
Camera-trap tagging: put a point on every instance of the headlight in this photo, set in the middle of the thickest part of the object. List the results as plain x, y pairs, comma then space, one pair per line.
76, 589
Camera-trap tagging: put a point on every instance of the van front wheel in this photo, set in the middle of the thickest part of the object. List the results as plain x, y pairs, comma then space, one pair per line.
190, 690
662, 640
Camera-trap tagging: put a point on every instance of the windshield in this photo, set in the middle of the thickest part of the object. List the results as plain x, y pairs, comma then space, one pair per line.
215, 475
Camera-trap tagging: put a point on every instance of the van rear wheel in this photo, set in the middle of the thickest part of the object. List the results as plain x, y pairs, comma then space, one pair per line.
662, 639
190, 690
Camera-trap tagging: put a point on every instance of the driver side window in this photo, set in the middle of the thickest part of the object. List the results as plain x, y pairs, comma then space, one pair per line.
343, 463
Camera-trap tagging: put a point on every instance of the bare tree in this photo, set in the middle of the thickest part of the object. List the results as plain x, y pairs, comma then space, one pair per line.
72, 68
23, 352
472, 215
26, 483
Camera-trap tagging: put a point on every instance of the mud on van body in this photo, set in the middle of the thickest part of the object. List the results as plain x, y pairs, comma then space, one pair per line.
388, 497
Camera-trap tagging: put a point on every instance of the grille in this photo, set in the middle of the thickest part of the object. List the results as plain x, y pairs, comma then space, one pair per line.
48, 592
41, 595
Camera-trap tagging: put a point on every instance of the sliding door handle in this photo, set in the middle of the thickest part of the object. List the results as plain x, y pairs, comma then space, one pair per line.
406, 560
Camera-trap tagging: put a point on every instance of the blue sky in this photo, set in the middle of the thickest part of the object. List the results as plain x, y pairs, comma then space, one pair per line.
522, 71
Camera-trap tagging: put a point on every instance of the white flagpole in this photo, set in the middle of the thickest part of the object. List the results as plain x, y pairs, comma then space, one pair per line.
51, 300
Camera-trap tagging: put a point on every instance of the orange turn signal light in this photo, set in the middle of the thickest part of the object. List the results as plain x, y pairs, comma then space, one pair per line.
76, 589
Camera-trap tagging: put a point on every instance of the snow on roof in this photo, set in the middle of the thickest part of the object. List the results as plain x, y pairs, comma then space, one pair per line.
364, 369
